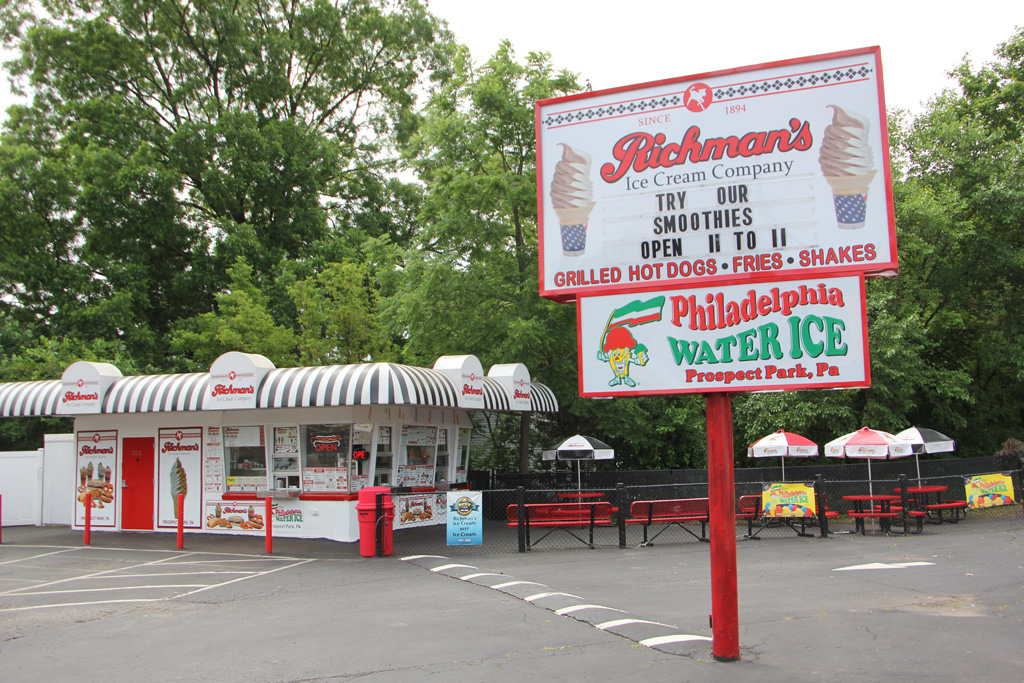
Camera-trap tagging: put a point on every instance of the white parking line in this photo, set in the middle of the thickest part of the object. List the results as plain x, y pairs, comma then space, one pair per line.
55, 552
15, 591
177, 560
241, 578
81, 604
113, 588
146, 576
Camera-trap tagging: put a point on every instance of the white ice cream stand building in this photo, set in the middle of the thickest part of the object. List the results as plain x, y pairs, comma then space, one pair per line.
309, 438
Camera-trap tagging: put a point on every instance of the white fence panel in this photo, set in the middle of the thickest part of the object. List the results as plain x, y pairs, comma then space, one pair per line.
21, 485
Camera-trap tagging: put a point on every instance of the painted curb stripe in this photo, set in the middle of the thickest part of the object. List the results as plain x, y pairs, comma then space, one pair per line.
576, 608
664, 640
622, 622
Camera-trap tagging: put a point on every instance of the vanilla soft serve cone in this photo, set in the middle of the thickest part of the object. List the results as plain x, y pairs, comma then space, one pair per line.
572, 196
179, 484
847, 163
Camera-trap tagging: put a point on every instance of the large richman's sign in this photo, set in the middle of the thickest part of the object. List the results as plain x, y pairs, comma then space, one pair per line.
745, 336
769, 171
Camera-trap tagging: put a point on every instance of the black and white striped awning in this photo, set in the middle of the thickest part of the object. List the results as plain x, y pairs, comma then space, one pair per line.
542, 399
495, 396
333, 385
157, 393
29, 399
352, 385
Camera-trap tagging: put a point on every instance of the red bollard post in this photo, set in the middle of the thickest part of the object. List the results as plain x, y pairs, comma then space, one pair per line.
267, 518
181, 521
87, 537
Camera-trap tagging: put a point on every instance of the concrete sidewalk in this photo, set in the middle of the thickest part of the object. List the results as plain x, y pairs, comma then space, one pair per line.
924, 607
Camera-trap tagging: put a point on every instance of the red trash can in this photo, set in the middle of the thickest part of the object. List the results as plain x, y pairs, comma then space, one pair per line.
366, 508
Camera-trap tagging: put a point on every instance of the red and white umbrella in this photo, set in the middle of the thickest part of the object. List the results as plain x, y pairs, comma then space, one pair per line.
871, 444
783, 444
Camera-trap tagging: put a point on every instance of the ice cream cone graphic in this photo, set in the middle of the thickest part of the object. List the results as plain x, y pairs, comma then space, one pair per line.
847, 164
572, 196
179, 484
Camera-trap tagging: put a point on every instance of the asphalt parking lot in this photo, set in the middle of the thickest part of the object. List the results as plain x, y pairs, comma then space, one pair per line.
878, 608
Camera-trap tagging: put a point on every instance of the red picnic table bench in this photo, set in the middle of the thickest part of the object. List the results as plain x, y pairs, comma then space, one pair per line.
564, 516
676, 512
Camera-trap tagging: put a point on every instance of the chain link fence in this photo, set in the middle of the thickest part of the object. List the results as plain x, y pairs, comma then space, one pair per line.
894, 501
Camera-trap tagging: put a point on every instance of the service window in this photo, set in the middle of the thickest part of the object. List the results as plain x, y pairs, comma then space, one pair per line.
245, 452
384, 465
416, 450
285, 459
325, 450
462, 460
441, 463
362, 444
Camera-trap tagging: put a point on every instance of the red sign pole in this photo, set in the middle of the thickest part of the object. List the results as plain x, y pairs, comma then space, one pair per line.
725, 632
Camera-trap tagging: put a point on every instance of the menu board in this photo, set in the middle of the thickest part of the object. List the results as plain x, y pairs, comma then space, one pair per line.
286, 440
413, 435
247, 483
243, 436
325, 479
415, 475
213, 461
362, 433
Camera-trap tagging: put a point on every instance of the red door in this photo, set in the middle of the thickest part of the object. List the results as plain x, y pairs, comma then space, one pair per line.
137, 462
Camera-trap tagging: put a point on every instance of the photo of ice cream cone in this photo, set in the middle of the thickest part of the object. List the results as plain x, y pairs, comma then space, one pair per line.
847, 164
572, 196
179, 485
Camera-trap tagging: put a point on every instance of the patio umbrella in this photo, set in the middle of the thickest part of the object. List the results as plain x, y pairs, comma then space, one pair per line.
578, 448
781, 444
926, 441
871, 444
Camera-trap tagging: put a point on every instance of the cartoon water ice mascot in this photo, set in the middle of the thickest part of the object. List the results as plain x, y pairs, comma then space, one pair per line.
619, 350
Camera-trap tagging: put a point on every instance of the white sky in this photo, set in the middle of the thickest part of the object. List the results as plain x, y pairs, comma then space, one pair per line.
622, 42
625, 42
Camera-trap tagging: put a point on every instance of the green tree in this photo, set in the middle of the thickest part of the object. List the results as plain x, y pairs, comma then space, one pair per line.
337, 317
468, 284
46, 360
166, 139
241, 322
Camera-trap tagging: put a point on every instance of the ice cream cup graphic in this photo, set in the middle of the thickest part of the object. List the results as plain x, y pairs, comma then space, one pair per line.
847, 163
573, 223
850, 197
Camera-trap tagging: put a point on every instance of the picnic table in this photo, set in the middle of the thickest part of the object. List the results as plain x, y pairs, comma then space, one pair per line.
883, 511
939, 511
